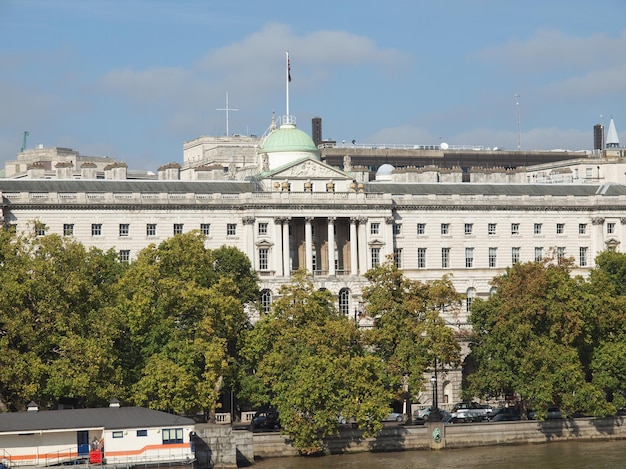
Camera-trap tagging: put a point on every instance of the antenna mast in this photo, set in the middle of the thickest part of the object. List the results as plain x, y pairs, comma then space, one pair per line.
519, 128
227, 109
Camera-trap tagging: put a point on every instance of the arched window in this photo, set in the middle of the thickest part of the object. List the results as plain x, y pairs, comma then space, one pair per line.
344, 301
469, 297
266, 300
493, 291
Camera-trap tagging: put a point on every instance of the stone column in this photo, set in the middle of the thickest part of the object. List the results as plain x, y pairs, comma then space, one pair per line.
388, 237
248, 223
331, 245
278, 251
353, 248
286, 263
597, 236
308, 244
362, 246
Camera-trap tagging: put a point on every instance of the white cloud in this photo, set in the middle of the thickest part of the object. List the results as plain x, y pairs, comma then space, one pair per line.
597, 82
550, 50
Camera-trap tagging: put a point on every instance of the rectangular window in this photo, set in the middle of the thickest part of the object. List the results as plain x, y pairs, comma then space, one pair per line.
96, 229
582, 228
538, 254
178, 228
491, 229
68, 229
421, 229
263, 229
610, 228
468, 228
124, 229
40, 229
560, 228
374, 228
582, 261
397, 229
118, 434
264, 259
205, 228
172, 436
469, 257
537, 228
493, 257
514, 228
231, 229
560, 254
142, 432
375, 252
397, 257
421, 258
445, 258
124, 255
151, 229
445, 228
515, 253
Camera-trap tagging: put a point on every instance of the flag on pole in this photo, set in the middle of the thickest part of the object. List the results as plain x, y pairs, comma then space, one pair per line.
288, 68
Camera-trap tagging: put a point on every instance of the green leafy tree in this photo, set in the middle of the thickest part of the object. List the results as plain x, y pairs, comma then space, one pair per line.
309, 360
607, 345
183, 317
531, 339
58, 332
409, 333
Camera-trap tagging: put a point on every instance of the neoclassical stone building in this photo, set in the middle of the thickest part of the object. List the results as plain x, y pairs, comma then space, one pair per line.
288, 210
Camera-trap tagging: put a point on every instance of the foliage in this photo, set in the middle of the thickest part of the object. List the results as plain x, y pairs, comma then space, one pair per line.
552, 338
409, 332
310, 359
183, 320
80, 324
57, 330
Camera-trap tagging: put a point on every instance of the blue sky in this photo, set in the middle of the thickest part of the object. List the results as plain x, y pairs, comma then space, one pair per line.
135, 79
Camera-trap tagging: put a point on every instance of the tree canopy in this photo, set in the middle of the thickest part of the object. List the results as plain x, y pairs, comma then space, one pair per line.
310, 360
553, 338
79, 324
410, 334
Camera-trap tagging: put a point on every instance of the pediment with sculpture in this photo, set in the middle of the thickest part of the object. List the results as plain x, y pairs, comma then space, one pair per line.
309, 169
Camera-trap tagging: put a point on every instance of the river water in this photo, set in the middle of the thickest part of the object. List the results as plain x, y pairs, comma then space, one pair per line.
558, 455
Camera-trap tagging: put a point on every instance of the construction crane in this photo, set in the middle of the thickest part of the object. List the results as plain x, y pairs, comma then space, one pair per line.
24, 141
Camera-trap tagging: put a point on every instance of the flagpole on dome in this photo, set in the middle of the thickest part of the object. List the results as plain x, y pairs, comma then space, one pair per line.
287, 80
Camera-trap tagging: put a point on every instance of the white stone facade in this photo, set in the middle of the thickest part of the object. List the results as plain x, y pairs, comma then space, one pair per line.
333, 223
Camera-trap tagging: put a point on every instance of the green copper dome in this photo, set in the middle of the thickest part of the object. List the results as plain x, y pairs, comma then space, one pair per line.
288, 139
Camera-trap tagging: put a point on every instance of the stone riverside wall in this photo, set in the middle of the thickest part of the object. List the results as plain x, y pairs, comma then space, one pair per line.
243, 447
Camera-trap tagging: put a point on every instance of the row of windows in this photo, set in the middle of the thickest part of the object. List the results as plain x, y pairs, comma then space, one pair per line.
492, 227
151, 229
492, 258
231, 229
170, 435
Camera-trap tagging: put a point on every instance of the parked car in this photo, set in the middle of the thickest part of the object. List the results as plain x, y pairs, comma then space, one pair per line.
422, 414
265, 420
505, 414
470, 412
552, 412
394, 417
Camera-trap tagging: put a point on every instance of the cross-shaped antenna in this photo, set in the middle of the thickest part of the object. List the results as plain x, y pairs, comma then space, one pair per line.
227, 109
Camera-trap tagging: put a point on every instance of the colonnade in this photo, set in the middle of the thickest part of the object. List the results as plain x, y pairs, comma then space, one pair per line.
291, 249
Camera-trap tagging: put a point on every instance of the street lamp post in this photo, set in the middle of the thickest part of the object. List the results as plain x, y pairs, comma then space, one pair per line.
433, 383
435, 414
